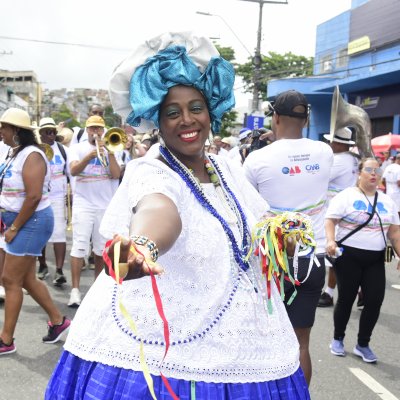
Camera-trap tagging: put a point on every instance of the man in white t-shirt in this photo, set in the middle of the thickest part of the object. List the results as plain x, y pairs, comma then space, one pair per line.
57, 195
391, 181
343, 174
387, 160
292, 174
96, 182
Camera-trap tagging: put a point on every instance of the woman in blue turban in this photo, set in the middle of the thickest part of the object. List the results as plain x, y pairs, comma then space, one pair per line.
194, 322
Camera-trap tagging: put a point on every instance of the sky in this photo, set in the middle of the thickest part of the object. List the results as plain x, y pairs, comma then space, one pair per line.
119, 26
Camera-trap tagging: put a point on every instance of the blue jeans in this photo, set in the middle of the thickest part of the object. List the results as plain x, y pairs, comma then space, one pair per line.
33, 235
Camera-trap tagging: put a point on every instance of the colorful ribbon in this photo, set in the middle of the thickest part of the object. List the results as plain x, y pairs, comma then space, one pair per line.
115, 274
269, 241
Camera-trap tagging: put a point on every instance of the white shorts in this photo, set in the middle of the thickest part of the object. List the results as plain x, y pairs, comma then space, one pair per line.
85, 226
60, 221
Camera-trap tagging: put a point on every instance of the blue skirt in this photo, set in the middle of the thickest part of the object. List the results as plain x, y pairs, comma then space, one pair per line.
75, 379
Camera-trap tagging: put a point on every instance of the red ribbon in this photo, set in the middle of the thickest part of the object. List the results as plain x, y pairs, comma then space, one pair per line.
159, 305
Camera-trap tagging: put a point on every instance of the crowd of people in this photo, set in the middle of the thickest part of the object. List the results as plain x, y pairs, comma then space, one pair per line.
178, 205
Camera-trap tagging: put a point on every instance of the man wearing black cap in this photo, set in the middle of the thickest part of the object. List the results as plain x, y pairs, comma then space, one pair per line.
292, 174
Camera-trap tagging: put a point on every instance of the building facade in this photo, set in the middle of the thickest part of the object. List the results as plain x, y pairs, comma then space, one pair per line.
20, 89
358, 51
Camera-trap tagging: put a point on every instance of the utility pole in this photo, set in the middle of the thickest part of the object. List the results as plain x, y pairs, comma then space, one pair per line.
257, 54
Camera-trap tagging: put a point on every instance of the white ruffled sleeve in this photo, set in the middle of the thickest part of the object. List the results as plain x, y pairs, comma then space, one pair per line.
142, 177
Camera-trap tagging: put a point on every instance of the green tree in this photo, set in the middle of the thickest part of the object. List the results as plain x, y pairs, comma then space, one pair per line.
64, 114
228, 122
275, 66
229, 118
111, 119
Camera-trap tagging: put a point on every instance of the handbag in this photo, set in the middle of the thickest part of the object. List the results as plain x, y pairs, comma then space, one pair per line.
332, 260
389, 253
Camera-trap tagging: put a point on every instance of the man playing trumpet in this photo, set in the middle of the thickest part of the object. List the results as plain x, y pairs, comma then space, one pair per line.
97, 175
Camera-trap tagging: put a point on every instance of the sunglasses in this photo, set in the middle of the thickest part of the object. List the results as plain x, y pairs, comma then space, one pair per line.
270, 109
370, 170
99, 113
49, 132
95, 128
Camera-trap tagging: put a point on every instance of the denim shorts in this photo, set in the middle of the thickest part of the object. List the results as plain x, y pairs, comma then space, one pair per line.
33, 235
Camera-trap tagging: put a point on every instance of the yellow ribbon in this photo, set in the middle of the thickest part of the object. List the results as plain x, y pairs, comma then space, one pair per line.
126, 315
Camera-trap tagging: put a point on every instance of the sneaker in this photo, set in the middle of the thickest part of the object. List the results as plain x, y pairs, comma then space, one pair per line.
365, 353
75, 298
360, 301
55, 332
43, 272
59, 279
7, 348
337, 348
325, 300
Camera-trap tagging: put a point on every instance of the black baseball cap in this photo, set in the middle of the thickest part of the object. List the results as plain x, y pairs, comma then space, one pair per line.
285, 103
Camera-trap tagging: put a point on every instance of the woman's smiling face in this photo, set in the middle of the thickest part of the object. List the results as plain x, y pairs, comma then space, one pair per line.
184, 121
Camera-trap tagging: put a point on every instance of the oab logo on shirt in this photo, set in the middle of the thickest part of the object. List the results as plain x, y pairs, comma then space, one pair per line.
292, 170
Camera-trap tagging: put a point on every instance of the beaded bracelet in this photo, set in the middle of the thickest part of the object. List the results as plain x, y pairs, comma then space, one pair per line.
145, 241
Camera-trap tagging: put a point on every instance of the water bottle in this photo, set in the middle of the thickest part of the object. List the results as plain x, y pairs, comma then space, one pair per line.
338, 252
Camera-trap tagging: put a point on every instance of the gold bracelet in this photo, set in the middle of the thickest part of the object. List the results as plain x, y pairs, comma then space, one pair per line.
145, 241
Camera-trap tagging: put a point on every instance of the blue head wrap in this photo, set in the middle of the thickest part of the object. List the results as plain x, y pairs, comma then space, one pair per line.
170, 67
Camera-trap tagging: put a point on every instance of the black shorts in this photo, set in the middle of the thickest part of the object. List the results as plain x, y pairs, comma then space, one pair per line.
302, 309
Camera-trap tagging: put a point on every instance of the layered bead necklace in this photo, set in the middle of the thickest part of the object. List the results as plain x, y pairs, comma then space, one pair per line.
225, 194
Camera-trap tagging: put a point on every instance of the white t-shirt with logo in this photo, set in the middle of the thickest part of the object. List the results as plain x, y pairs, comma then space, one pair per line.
344, 173
293, 175
351, 207
59, 170
13, 190
94, 186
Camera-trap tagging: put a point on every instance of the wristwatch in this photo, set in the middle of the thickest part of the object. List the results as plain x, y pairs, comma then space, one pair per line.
13, 228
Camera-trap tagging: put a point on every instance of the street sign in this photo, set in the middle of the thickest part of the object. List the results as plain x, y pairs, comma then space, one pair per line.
254, 122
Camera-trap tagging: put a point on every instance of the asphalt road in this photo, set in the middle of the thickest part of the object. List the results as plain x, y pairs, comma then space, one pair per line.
24, 374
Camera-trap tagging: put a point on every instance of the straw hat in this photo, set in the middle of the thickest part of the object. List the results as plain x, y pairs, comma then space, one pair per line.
47, 123
17, 117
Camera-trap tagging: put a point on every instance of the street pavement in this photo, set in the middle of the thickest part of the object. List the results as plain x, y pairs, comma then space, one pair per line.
24, 374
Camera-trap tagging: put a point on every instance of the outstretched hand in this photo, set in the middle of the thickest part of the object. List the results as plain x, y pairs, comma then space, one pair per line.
133, 265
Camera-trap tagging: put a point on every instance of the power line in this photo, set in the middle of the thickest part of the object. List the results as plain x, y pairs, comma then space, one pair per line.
91, 46
282, 73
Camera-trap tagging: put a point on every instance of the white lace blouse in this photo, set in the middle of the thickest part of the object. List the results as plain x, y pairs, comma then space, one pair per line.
220, 329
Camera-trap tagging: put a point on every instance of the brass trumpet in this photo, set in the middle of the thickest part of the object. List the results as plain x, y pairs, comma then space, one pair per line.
69, 208
344, 114
114, 140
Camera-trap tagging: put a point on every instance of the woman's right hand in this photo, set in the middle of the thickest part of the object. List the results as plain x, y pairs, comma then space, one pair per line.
133, 266
331, 246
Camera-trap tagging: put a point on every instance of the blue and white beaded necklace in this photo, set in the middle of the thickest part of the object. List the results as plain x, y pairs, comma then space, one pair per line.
238, 253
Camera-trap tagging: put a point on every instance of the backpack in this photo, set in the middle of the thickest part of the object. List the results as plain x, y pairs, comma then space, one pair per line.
80, 133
